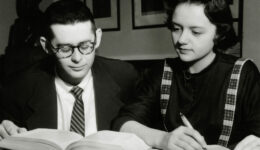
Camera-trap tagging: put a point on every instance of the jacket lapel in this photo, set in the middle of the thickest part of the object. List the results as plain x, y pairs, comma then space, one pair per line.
107, 99
43, 104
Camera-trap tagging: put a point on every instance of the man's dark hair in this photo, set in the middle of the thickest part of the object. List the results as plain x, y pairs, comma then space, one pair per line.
66, 12
218, 13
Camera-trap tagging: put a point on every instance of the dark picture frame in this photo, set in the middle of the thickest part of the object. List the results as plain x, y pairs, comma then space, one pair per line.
106, 13
236, 7
148, 14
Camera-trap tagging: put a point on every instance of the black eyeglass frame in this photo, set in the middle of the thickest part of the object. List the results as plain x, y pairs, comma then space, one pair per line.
56, 50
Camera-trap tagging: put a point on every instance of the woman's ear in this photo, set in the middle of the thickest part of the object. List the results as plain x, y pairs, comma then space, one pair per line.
44, 45
98, 37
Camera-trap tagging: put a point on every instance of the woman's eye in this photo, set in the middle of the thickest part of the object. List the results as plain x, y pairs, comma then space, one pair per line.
175, 29
196, 33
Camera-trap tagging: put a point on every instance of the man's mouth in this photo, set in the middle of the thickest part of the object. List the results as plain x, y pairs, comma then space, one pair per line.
77, 68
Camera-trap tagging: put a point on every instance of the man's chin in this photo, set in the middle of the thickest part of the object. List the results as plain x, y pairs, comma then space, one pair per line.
78, 75
74, 80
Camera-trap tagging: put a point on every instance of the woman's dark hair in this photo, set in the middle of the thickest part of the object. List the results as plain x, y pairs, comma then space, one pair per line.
218, 13
66, 12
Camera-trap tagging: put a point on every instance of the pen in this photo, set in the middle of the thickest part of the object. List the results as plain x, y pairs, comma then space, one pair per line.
185, 121
187, 124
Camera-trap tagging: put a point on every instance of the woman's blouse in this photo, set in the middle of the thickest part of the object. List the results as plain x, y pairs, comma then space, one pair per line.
200, 97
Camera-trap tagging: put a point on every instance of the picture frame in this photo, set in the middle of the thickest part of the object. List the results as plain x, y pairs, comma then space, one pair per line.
106, 13
148, 14
237, 14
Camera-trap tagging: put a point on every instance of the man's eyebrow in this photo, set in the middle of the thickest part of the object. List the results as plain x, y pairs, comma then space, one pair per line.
66, 44
63, 44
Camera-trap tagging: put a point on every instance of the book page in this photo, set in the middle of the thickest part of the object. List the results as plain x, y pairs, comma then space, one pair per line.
120, 141
54, 138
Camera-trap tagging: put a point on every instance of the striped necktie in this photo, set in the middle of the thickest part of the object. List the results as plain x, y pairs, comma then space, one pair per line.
77, 123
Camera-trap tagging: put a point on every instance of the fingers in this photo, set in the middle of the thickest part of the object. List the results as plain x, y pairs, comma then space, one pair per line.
185, 138
189, 143
251, 142
3, 133
196, 135
184, 145
21, 130
8, 128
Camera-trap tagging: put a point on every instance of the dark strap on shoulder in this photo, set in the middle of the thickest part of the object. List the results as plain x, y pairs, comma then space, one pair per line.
230, 104
165, 90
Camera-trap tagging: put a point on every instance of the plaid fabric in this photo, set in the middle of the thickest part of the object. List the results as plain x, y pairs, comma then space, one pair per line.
230, 105
165, 89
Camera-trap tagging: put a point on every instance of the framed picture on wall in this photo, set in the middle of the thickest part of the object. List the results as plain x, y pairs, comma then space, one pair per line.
236, 10
106, 13
148, 14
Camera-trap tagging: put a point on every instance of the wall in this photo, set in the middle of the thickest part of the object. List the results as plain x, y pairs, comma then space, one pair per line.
158, 45
137, 44
147, 43
251, 40
7, 15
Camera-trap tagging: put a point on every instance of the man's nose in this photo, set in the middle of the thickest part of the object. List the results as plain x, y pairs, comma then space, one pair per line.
76, 55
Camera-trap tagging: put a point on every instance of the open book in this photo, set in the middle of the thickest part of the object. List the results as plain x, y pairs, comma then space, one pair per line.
51, 139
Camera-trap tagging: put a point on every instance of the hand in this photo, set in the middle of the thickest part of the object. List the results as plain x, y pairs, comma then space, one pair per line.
8, 128
216, 147
184, 138
250, 142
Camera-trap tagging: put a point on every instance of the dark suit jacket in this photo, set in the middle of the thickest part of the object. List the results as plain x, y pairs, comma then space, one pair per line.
30, 99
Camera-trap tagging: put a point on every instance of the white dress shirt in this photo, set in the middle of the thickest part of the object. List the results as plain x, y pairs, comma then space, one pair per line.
65, 101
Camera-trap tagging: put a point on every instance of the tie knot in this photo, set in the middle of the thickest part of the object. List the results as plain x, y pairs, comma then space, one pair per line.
77, 92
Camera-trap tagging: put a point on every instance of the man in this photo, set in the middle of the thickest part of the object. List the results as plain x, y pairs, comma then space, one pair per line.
43, 96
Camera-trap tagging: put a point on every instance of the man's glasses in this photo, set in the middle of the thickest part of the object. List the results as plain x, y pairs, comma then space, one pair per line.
65, 51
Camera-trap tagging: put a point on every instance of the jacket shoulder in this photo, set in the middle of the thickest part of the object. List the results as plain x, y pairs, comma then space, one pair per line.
115, 67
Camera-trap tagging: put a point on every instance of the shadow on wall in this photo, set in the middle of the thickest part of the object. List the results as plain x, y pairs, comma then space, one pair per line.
23, 47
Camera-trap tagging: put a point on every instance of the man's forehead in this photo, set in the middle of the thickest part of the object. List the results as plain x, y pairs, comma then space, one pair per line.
79, 31
73, 25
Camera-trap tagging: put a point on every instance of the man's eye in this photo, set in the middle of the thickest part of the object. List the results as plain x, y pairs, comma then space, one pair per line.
86, 45
65, 48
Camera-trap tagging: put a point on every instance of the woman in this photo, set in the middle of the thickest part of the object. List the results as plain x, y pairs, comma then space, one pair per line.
198, 85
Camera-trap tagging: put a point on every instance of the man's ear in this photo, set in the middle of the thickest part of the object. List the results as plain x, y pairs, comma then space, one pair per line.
98, 37
44, 45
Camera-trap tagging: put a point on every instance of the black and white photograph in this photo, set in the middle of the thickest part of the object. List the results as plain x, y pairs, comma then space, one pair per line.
129, 75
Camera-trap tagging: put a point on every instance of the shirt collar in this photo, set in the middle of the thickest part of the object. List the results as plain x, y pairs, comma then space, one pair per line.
67, 87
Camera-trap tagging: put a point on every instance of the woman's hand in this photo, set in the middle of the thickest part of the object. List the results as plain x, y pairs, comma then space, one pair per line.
183, 138
250, 142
